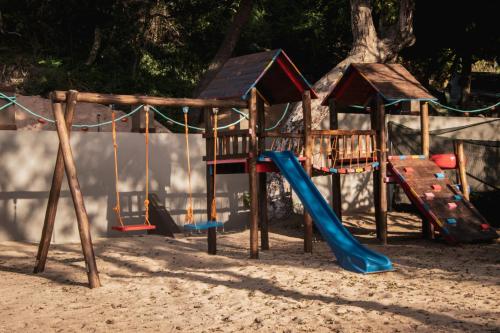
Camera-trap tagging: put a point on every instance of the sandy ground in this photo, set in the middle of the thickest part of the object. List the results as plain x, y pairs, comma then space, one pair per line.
151, 283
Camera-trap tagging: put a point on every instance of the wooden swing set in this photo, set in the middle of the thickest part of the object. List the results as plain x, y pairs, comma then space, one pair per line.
65, 164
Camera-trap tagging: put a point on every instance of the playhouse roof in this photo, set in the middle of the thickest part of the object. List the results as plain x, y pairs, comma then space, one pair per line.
273, 73
360, 82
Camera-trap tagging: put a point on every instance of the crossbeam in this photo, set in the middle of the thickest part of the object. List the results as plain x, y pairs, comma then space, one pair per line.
60, 96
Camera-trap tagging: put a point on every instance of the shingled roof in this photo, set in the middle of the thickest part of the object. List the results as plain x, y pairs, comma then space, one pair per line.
273, 74
361, 81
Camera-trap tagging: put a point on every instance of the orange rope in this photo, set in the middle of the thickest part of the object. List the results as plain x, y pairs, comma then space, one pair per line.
117, 208
146, 200
213, 210
189, 209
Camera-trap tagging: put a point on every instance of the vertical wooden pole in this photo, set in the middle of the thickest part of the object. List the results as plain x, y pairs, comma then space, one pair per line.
252, 175
381, 217
372, 110
55, 190
8, 114
308, 146
76, 193
424, 128
336, 186
462, 172
210, 178
427, 227
264, 225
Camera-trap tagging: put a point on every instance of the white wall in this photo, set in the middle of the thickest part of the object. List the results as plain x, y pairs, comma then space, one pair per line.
27, 161
26, 164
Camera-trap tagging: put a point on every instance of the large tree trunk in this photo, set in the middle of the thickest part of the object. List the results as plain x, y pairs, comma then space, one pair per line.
227, 46
368, 46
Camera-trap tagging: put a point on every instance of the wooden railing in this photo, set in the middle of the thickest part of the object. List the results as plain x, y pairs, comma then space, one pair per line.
232, 144
330, 148
287, 141
343, 148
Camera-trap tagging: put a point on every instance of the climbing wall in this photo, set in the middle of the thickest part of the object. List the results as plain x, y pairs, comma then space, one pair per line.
427, 186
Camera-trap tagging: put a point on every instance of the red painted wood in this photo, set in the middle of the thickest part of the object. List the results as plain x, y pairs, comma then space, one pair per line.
133, 227
290, 75
445, 161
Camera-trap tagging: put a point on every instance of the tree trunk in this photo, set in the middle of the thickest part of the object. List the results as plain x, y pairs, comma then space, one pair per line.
368, 46
465, 79
96, 45
227, 46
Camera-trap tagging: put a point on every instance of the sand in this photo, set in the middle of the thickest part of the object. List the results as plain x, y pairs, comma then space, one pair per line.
152, 283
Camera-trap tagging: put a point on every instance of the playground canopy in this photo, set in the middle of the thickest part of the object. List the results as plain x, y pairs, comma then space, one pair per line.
360, 82
274, 75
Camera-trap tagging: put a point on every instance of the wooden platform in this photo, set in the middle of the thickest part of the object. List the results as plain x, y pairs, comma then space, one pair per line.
425, 184
240, 165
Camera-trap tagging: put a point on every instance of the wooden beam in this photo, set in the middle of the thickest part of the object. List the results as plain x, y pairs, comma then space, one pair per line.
381, 215
263, 218
252, 175
341, 131
60, 96
336, 184
308, 146
76, 193
462, 171
210, 178
424, 128
55, 190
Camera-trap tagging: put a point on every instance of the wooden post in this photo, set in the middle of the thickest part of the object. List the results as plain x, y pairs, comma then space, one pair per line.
7, 115
381, 214
264, 226
427, 227
372, 110
308, 145
336, 185
210, 177
424, 128
76, 193
462, 172
252, 175
55, 190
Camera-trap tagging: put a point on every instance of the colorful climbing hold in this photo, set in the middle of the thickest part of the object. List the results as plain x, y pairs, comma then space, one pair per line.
451, 220
436, 187
439, 175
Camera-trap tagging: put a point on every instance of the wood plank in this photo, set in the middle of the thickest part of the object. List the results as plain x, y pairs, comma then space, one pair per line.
336, 184
468, 227
55, 190
263, 219
60, 96
252, 173
308, 146
76, 194
210, 180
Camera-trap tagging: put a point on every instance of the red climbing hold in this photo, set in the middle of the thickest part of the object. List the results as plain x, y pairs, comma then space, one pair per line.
445, 161
485, 226
436, 187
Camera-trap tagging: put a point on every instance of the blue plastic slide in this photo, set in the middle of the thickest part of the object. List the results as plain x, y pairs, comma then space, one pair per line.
350, 254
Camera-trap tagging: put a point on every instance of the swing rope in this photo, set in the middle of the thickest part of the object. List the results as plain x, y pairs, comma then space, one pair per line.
213, 210
117, 208
146, 199
189, 209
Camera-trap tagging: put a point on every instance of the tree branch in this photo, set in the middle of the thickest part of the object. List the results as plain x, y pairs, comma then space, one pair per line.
228, 44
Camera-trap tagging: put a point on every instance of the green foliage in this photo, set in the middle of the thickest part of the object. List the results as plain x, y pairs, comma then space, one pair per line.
163, 47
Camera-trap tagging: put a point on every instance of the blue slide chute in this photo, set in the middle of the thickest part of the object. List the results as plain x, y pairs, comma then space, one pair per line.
350, 254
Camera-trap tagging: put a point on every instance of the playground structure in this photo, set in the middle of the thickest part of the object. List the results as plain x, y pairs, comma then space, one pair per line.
445, 210
252, 82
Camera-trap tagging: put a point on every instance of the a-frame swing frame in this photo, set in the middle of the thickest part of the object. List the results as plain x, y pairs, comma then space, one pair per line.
65, 164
